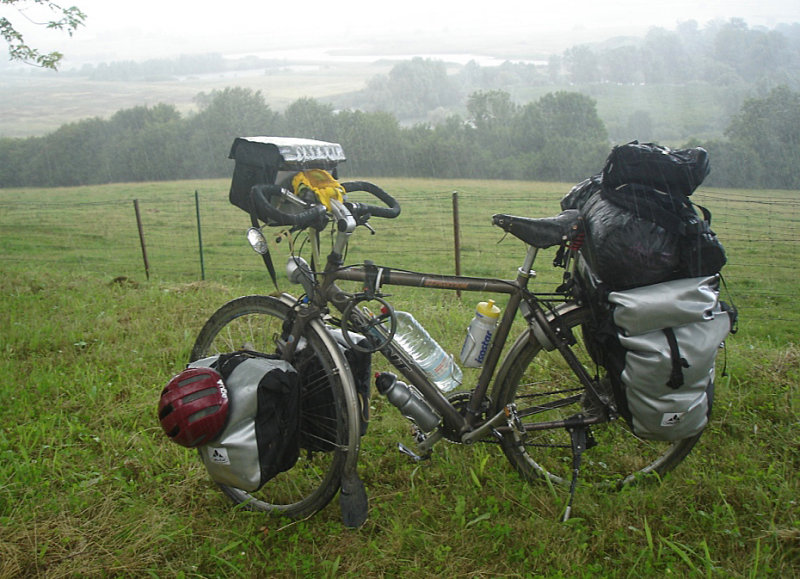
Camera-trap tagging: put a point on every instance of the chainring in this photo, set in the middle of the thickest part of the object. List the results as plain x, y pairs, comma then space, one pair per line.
460, 401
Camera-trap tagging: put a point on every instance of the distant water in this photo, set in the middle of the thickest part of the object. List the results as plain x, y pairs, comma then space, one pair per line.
307, 57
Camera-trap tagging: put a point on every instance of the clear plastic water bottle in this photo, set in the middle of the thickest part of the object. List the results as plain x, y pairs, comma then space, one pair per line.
416, 341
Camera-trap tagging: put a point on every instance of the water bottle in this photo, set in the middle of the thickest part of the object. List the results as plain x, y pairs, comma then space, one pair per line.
407, 400
416, 341
479, 334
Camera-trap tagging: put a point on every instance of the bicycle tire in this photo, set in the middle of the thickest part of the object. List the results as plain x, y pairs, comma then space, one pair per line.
534, 378
255, 323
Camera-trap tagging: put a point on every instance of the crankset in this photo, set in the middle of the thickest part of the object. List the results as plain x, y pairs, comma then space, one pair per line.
460, 401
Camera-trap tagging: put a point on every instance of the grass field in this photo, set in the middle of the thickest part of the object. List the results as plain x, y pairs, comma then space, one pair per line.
89, 485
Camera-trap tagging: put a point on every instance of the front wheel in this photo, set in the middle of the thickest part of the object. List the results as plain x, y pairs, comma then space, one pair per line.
327, 435
544, 389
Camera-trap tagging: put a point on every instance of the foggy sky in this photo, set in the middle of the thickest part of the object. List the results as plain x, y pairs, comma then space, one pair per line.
137, 29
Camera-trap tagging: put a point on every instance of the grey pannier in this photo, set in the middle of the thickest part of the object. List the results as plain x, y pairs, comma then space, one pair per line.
671, 333
261, 437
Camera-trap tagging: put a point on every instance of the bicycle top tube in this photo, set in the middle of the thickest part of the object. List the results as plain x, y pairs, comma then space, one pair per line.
390, 276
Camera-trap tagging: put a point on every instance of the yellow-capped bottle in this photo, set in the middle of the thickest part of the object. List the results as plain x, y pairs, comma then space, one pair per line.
479, 334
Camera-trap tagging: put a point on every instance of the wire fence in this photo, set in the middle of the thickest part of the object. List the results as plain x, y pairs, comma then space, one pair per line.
192, 235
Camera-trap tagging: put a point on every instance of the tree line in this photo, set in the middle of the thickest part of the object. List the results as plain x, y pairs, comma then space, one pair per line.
558, 137
723, 53
729, 54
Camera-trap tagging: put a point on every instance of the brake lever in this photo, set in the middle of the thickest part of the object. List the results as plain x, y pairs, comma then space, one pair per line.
345, 221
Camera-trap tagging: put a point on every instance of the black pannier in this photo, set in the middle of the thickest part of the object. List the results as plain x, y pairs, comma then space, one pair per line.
626, 249
260, 159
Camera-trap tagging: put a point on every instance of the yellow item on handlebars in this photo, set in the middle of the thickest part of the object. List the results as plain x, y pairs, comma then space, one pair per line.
322, 183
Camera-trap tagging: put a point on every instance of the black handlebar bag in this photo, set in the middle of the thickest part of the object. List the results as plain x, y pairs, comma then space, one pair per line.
259, 160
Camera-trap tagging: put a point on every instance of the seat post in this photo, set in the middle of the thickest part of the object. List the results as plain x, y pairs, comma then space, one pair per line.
525, 272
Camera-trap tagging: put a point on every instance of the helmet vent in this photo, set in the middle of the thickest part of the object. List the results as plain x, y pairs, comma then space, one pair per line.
199, 394
192, 379
208, 411
165, 411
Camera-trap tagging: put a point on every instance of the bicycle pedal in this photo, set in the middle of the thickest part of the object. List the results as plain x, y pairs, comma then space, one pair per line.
410, 453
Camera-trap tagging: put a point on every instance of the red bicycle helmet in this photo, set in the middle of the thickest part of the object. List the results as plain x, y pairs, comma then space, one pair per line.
194, 407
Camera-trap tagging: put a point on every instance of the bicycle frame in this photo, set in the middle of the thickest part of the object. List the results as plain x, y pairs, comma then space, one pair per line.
465, 425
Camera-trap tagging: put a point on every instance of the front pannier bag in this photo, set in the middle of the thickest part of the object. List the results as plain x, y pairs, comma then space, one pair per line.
670, 334
261, 437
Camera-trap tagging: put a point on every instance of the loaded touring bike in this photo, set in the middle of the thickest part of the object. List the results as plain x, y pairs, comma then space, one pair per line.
540, 396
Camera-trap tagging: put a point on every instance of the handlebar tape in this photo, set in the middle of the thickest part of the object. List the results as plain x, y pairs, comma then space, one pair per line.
314, 216
391, 210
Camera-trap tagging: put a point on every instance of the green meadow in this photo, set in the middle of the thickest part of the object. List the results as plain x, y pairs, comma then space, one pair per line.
90, 486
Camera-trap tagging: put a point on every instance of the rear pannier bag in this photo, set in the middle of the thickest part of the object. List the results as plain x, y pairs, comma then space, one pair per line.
260, 438
669, 334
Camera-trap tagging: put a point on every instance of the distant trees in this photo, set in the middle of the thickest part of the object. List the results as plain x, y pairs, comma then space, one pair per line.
763, 147
223, 116
558, 137
725, 53
411, 89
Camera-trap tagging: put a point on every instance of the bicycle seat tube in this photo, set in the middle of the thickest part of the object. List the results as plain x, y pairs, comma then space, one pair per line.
501, 335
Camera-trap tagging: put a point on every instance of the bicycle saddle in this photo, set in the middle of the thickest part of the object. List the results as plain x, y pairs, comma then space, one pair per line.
540, 232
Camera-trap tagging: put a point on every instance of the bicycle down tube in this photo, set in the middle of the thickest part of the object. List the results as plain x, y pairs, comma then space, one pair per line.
397, 357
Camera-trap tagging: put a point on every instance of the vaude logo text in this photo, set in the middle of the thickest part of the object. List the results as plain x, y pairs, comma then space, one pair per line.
671, 418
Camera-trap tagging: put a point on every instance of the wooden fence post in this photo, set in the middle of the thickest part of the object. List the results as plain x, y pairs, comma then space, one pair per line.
141, 238
199, 236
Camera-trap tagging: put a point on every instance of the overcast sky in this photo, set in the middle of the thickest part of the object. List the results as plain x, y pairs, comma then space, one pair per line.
129, 29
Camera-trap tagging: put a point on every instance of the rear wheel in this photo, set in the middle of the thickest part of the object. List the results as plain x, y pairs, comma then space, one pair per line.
326, 437
544, 389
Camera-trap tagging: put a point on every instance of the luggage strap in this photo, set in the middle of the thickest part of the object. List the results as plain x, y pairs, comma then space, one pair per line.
678, 363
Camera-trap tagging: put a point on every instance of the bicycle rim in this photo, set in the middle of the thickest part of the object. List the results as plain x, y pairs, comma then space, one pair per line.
257, 323
545, 389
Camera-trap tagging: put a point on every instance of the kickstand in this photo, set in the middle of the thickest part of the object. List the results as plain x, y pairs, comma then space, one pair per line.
581, 440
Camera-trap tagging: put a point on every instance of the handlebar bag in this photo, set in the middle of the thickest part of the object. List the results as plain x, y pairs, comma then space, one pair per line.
668, 336
261, 436
259, 159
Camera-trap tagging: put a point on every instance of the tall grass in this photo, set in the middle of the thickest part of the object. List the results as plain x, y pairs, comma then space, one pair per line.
89, 485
